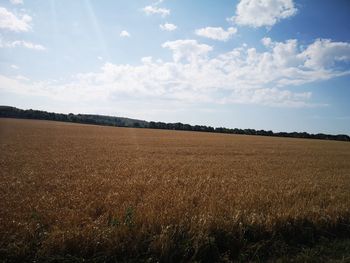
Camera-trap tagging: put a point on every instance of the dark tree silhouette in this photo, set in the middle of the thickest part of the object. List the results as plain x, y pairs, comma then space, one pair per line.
12, 112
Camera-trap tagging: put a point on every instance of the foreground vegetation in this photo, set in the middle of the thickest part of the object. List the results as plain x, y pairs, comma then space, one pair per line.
11, 112
74, 192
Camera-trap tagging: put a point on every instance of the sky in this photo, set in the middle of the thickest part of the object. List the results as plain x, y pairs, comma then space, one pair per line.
281, 65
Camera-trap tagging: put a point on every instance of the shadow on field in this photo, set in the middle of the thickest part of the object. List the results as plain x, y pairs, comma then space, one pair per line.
289, 241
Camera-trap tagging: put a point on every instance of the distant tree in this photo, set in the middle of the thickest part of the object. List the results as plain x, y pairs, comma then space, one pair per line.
12, 112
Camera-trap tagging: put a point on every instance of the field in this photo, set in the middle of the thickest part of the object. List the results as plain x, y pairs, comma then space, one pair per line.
73, 192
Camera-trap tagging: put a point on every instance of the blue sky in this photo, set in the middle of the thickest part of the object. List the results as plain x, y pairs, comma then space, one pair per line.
278, 65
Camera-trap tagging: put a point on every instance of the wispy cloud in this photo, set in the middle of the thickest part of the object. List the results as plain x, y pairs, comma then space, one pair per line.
216, 33
168, 27
21, 43
152, 10
11, 22
187, 50
16, 2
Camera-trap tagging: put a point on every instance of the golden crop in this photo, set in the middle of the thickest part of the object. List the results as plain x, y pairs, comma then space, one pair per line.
90, 191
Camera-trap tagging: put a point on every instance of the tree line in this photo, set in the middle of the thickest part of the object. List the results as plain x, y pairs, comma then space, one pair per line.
12, 112
201, 128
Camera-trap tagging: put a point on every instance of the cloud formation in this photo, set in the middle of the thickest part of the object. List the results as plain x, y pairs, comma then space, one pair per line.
124, 33
11, 22
243, 75
216, 33
187, 50
324, 53
21, 43
168, 27
154, 10
16, 2
258, 13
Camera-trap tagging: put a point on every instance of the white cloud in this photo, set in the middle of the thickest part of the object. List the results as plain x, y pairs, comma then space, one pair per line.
158, 2
22, 43
147, 60
189, 50
168, 27
266, 41
324, 53
10, 21
14, 67
124, 33
100, 58
16, 2
22, 78
29, 45
194, 76
152, 10
257, 13
217, 33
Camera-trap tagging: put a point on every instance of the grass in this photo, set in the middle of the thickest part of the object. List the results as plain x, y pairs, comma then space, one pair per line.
77, 192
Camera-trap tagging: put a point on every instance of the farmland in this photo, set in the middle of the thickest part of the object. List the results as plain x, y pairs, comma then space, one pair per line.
74, 192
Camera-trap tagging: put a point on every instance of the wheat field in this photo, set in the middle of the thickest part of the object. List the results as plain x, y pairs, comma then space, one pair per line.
83, 192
